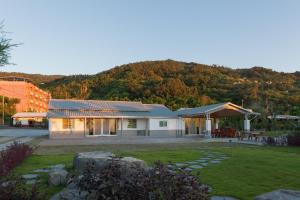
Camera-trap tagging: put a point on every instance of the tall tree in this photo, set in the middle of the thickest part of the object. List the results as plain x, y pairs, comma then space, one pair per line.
5, 46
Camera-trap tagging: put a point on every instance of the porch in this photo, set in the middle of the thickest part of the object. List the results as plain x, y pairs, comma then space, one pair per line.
205, 120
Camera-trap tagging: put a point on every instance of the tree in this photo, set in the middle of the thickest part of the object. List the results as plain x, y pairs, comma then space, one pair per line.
5, 46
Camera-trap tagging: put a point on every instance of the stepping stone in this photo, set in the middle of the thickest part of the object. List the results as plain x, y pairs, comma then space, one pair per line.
215, 161
31, 182
188, 169
204, 164
59, 166
224, 157
41, 170
196, 166
192, 162
180, 164
218, 159
29, 176
201, 161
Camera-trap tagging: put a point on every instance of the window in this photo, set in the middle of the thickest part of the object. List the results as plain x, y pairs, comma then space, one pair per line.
163, 123
68, 123
131, 123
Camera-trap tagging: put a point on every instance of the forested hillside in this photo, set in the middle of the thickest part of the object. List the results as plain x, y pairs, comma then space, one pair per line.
36, 78
179, 84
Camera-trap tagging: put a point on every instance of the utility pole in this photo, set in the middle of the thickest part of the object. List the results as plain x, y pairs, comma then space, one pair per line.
3, 110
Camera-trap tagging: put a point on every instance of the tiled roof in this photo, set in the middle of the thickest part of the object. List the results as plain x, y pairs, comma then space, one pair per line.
99, 105
29, 114
97, 108
209, 109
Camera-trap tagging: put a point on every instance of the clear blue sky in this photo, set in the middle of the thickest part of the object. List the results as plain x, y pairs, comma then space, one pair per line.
72, 36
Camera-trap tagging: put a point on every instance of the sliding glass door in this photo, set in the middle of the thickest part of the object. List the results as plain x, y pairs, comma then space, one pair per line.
99, 126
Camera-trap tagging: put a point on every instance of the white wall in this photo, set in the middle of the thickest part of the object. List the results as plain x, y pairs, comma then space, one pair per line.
57, 125
173, 124
141, 124
154, 124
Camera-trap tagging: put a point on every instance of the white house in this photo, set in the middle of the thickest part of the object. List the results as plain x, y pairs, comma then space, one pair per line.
28, 118
78, 118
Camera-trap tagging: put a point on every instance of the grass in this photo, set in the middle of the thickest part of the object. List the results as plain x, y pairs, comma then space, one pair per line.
250, 171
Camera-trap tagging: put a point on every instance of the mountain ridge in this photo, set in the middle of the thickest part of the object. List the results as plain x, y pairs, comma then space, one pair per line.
185, 84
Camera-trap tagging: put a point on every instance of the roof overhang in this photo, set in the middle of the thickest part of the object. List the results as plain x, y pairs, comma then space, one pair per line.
220, 110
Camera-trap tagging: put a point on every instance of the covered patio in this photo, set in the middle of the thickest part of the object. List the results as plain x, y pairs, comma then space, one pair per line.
205, 120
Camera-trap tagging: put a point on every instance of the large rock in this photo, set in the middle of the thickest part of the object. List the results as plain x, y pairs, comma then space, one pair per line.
98, 158
280, 195
57, 177
132, 162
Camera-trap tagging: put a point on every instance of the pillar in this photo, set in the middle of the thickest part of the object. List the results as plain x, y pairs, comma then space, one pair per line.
84, 127
217, 123
208, 126
122, 126
246, 124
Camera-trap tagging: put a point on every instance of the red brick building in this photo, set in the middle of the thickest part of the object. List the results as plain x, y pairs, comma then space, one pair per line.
31, 97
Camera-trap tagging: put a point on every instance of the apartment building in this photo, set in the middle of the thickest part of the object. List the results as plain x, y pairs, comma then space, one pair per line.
32, 98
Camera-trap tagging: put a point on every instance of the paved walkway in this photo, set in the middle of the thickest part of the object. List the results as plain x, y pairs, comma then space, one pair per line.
233, 140
3, 146
137, 140
19, 132
118, 140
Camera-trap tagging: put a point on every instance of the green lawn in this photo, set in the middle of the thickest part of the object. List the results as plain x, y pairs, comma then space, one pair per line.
249, 172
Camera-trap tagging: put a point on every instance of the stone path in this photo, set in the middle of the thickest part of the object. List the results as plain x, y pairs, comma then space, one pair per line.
209, 158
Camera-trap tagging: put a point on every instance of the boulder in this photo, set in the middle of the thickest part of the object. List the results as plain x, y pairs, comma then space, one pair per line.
280, 194
133, 162
57, 177
98, 158
129, 165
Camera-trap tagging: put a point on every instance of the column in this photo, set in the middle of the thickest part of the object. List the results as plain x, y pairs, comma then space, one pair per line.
246, 124
101, 121
208, 126
122, 126
84, 127
217, 123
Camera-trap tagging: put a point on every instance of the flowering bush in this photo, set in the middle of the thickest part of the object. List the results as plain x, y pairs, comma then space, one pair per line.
13, 156
158, 182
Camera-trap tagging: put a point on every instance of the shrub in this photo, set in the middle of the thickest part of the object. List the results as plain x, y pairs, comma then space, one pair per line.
294, 139
15, 189
113, 182
13, 156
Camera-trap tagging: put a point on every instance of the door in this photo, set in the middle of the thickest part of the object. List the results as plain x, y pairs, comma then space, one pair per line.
112, 127
98, 126
105, 126
90, 126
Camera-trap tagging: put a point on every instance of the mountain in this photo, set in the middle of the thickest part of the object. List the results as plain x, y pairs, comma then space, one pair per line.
37, 79
181, 84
